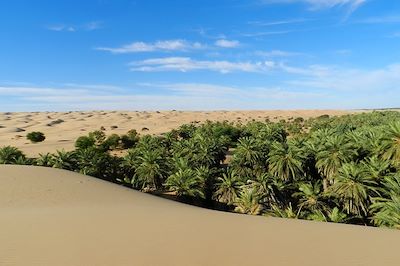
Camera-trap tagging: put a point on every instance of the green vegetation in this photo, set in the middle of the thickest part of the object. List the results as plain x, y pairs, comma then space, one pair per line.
35, 136
335, 169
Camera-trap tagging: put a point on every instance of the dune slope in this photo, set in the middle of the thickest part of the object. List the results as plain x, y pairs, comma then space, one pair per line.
55, 217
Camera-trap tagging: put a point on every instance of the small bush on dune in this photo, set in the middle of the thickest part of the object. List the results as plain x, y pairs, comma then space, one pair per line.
36, 136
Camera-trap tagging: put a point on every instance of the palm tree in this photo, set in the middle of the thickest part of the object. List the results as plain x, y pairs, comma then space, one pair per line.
63, 160
247, 152
285, 212
376, 168
386, 209
270, 188
387, 212
186, 182
391, 144
310, 197
286, 161
228, 187
44, 160
150, 169
248, 202
332, 156
91, 162
353, 189
10, 155
336, 216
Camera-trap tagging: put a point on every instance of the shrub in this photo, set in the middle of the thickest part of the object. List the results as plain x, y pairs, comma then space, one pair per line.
99, 136
111, 143
85, 142
36, 136
130, 139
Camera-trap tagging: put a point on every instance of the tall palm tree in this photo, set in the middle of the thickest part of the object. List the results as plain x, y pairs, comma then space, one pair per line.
353, 189
150, 169
269, 188
248, 202
228, 187
186, 182
247, 152
387, 212
386, 209
310, 197
391, 144
286, 161
10, 155
376, 168
331, 156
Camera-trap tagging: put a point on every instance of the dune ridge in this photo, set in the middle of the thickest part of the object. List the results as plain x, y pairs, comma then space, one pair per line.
55, 217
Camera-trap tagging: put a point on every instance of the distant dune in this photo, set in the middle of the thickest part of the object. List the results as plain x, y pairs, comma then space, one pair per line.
56, 217
62, 129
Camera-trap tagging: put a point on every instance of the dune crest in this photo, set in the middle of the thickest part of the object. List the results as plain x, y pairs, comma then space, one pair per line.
56, 217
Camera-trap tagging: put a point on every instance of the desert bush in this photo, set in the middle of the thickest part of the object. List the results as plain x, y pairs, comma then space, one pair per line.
36, 136
85, 142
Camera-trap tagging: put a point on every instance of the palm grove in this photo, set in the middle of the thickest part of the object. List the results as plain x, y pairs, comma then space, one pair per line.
337, 169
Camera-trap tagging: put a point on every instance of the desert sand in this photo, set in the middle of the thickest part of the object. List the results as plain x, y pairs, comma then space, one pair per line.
56, 217
63, 128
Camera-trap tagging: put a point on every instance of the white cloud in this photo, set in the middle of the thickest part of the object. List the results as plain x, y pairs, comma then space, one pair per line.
168, 45
185, 64
278, 22
224, 43
321, 4
90, 26
276, 53
61, 28
265, 33
362, 81
93, 25
380, 20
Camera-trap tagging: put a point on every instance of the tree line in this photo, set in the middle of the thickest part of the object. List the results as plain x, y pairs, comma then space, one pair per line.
336, 169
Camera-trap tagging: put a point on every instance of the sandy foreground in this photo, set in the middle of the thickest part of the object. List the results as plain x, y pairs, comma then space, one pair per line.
56, 217
62, 129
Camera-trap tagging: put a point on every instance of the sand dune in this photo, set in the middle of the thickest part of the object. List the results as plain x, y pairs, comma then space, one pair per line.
55, 217
63, 128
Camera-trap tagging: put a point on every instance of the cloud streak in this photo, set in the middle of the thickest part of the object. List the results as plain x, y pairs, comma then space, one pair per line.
186, 64
90, 26
224, 43
351, 5
164, 46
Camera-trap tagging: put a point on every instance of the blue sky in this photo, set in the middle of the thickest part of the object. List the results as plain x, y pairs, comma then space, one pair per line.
199, 55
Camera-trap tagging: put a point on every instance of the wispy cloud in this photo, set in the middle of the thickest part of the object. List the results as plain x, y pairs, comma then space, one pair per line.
167, 45
351, 5
224, 43
358, 80
60, 27
278, 22
277, 53
185, 64
90, 26
265, 33
380, 20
